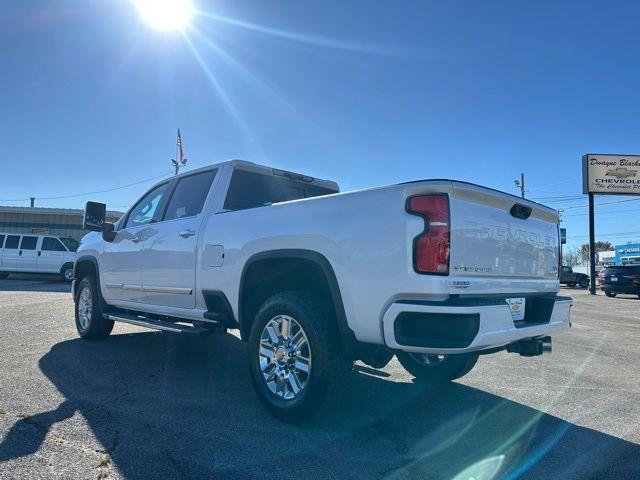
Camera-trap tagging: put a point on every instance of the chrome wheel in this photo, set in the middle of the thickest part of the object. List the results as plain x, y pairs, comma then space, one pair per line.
85, 307
285, 357
68, 274
428, 359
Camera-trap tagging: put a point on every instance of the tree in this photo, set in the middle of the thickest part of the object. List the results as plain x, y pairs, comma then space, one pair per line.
600, 247
570, 257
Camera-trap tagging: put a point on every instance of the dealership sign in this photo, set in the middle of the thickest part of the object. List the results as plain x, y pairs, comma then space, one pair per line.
611, 174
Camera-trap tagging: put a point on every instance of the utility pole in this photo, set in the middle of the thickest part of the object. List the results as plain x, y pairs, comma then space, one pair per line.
592, 247
520, 184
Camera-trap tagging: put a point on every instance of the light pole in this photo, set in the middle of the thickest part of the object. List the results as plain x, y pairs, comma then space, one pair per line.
520, 184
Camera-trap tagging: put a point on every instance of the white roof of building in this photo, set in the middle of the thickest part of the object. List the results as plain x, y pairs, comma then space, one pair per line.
49, 211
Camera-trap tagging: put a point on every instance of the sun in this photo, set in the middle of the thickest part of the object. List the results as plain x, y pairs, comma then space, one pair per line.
167, 15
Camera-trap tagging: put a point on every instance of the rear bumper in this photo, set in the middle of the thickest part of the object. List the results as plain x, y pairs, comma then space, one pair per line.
470, 324
616, 288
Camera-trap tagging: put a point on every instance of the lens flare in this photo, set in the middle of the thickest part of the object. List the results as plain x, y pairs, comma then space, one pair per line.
167, 15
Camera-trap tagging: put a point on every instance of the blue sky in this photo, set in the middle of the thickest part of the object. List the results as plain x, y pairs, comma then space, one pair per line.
362, 92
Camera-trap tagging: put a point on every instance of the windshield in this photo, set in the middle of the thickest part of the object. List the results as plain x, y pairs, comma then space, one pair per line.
71, 243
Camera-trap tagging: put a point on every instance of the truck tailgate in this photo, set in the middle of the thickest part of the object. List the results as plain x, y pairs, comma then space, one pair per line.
494, 234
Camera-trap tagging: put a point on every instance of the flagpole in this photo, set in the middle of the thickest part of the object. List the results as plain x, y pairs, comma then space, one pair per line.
177, 165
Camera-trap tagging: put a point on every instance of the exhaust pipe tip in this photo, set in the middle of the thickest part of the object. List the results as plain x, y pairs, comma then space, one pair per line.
531, 347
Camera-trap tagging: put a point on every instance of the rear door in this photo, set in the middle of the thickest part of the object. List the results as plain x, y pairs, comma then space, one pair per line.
10, 253
52, 255
28, 253
170, 252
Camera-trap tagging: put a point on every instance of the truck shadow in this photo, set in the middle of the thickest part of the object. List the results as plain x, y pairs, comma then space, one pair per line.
164, 406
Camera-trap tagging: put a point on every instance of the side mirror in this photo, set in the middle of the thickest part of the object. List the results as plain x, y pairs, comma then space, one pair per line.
94, 216
108, 232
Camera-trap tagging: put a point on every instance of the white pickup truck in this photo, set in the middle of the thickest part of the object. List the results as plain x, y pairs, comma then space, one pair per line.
435, 272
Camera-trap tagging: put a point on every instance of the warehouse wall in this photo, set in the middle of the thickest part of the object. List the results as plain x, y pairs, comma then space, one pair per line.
68, 225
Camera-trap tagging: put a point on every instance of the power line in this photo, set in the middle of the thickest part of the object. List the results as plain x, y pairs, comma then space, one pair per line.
59, 197
603, 203
560, 197
612, 234
566, 180
602, 213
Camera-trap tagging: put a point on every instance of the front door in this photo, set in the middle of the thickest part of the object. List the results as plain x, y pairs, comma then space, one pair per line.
51, 256
121, 261
170, 252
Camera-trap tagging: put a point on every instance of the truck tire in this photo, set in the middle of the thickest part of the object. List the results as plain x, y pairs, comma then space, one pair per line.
437, 368
66, 272
88, 309
583, 282
296, 363
609, 293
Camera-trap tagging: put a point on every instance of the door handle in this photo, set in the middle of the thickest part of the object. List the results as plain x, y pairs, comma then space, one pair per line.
136, 239
187, 233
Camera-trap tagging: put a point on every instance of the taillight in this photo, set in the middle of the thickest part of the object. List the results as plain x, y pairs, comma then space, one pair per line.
634, 278
601, 274
431, 247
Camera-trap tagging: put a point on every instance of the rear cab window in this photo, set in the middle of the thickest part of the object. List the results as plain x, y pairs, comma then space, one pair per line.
251, 189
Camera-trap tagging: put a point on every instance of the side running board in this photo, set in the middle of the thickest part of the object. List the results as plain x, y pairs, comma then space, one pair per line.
155, 324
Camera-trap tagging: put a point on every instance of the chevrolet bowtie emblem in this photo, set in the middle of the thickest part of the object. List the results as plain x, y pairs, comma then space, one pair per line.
621, 172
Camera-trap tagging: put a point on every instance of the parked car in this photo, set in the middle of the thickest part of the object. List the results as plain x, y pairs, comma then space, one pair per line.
31, 253
621, 279
435, 272
571, 279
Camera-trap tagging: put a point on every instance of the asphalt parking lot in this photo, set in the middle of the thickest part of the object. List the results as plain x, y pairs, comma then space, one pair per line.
149, 405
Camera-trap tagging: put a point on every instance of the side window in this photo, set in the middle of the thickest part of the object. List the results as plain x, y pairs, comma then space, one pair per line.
146, 210
51, 244
566, 269
1, 240
189, 196
28, 243
12, 242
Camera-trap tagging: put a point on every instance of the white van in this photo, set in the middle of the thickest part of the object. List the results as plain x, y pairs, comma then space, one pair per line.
31, 253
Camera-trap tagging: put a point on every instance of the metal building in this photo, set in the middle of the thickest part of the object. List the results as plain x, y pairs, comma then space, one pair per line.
628, 254
63, 222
